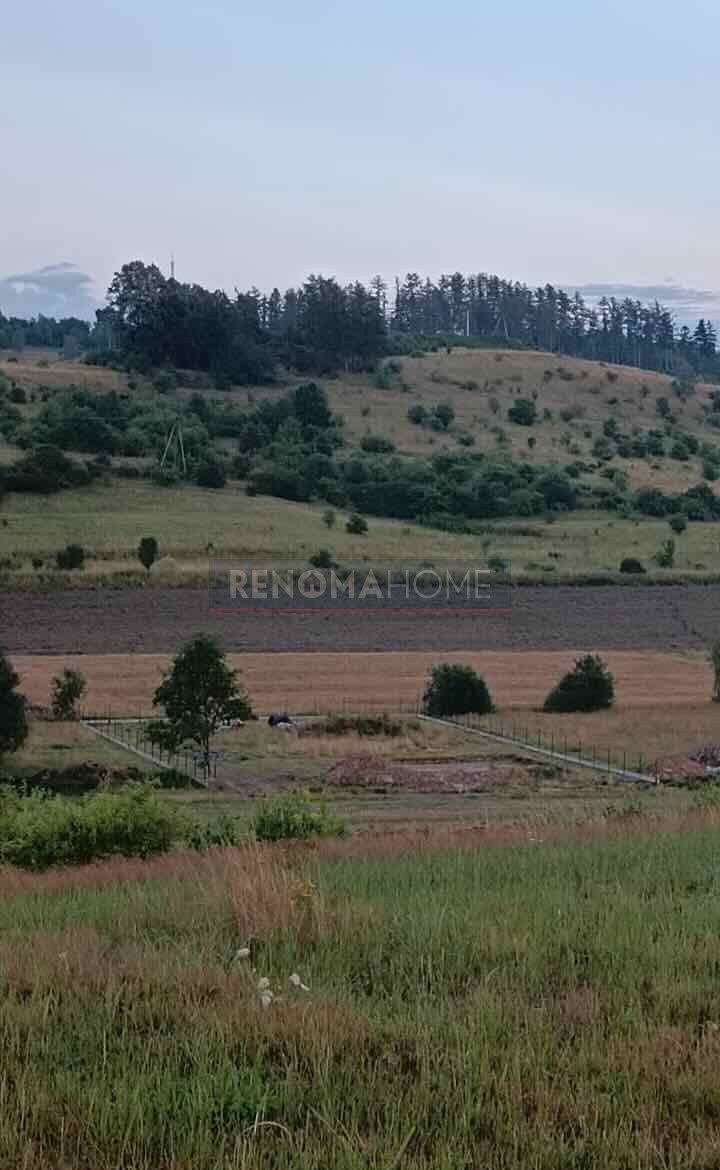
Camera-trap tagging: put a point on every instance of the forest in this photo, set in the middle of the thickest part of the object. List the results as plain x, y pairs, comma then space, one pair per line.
151, 321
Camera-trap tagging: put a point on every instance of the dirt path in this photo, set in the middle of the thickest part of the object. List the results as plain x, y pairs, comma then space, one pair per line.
85, 621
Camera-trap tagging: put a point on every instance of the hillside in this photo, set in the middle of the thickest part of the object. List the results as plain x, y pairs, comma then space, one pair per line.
574, 399
575, 403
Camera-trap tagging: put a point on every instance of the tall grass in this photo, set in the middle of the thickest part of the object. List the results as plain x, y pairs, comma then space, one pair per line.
539, 1005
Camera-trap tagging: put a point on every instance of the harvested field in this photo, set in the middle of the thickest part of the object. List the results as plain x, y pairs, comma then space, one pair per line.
88, 621
124, 683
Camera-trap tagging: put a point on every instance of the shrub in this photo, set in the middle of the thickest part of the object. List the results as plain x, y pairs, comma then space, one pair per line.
67, 690
498, 564
71, 557
329, 518
220, 833
454, 689
322, 559
294, 816
366, 725
631, 565
377, 444
210, 474
39, 830
665, 556
147, 552
678, 523
356, 525
442, 416
589, 686
523, 412
13, 709
417, 414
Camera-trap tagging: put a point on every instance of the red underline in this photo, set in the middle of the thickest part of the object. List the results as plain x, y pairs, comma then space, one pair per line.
358, 609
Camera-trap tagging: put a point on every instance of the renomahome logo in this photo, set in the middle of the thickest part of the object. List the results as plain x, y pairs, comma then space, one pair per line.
370, 591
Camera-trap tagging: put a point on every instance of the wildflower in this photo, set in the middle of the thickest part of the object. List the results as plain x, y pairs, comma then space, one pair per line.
266, 998
242, 953
264, 984
296, 981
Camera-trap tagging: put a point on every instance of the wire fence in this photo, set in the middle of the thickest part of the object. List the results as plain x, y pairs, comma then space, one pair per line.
559, 744
131, 733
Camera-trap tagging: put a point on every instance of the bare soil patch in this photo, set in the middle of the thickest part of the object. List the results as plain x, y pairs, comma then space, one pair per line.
99, 621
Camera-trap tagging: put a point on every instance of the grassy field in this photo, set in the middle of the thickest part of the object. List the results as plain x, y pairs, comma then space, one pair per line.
192, 524
63, 745
551, 1003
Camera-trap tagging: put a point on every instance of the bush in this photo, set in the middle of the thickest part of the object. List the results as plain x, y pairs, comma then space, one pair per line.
13, 708
39, 830
377, 445
417, 414
357, 525
589, 686
523, 412
322, 559
293, 816
218, 834
70, 557
665, 556
210, 474
366, 725
148, 552
678, 523
456, 690
67, 690
631, 565
442, 416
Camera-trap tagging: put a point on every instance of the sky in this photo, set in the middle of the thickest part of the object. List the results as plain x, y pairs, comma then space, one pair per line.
561, 142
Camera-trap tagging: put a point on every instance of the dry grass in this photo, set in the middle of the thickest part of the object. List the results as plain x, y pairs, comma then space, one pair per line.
656, 728
38, 368
60, 745
307, 682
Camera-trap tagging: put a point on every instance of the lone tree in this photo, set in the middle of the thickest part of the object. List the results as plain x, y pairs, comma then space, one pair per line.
199, 693
67, 690
589, 686
148, 552
715, 663
13, 712
456, 690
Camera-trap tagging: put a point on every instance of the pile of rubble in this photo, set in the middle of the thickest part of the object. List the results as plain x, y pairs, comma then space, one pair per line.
437, 776
701, 763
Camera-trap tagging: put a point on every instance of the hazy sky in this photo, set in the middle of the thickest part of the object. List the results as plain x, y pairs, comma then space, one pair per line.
554, 141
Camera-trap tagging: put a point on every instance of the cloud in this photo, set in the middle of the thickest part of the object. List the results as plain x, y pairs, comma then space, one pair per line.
687, 304
57, 290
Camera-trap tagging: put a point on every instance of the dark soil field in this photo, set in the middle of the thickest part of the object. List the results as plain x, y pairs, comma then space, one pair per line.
159, 620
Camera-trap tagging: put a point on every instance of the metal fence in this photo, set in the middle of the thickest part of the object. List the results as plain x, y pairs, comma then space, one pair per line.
559, 744
131, 733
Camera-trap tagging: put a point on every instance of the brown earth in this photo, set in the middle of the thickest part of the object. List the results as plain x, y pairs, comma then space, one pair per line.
159, 620
124, 683
417, 776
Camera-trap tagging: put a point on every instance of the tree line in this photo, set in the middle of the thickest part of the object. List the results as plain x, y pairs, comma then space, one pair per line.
152, 321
